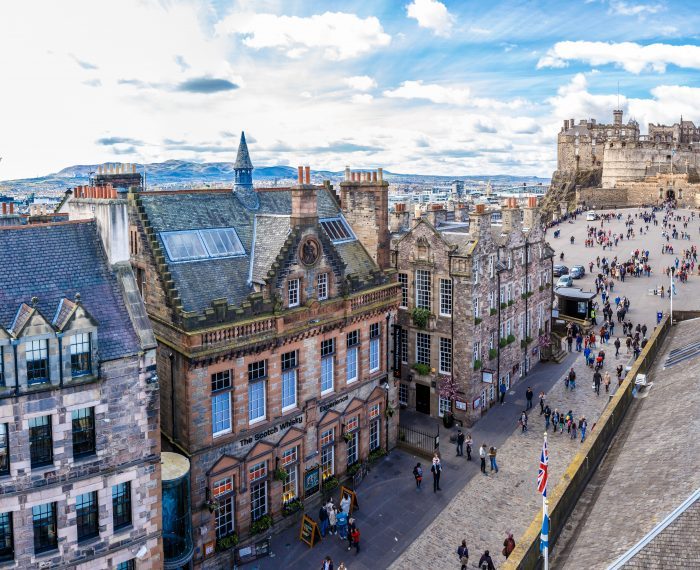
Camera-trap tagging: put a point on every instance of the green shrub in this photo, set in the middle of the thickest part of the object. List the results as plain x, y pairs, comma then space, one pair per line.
422, 369
493, 353
291, 507
226, 542
477, 320
504, 305
354, 468
511, 338
330, 483
420, 317
493, 311
502, 343
511, 302
376, 454
261, 525
477, 364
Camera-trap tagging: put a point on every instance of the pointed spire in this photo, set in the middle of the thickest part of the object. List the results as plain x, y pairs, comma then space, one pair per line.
243, 158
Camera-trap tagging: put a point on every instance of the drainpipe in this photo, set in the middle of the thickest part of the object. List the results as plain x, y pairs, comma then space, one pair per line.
59, 336
171, 356
14, 350
527, 290
386, 404
498, 335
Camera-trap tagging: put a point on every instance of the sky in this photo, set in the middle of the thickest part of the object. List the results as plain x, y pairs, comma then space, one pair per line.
453, 87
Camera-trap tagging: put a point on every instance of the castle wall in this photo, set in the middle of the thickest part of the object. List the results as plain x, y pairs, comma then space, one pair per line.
622, 164
652, 190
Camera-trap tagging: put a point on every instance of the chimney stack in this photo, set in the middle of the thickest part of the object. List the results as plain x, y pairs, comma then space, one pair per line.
304, 200
4, 208
530, 213
300, 178
479, 220
307, 170
12, 208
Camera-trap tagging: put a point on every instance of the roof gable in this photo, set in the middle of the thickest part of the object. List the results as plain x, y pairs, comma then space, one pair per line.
293, 434
223, 464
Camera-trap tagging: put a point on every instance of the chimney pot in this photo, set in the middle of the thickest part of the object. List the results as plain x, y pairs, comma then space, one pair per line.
374, 176
4, 208
532, 202
12, 207
479, 209
380, 174
308, 174
300, 174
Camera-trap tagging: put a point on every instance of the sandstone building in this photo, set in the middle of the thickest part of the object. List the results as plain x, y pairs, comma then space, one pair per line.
475, 305
609, 165
79, 418
272, 310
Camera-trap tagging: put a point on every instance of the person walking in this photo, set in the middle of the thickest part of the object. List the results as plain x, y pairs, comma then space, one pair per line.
596, 382
327, 563
418, 475
482, 456
342, 523
436, 470
502, 391
508, 545
617, 346
463, 554
492, 457
606, 381
332, 520
583, 426
562, 421
542, 397
468, 442
547, 415
355, 536
572, 378
523, 422
460, 443
486, 562
528, 397
345, 504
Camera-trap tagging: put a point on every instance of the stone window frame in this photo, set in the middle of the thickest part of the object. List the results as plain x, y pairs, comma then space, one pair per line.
289, 364
446, 297
446, 355
375, 346
403, 281
423, 348
294, 292
332, 420
328, 353
226, 467
322, 286
424, 289
97, 408
220, 387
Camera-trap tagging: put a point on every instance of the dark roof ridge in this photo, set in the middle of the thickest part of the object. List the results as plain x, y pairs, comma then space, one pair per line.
30, 226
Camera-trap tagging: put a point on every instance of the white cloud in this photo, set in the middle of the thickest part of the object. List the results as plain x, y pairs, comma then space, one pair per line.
431, 14
337, 35
631, 56
431, 92
363, 98
360, 82
630, 9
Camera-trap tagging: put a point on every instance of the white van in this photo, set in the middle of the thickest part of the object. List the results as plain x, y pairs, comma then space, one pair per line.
591, 217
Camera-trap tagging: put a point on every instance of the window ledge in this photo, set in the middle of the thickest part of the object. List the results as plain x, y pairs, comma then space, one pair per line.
88, 541
127, 528
85, 459
44, 469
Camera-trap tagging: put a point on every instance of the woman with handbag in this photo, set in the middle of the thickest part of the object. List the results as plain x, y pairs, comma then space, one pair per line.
418, 474
463, 554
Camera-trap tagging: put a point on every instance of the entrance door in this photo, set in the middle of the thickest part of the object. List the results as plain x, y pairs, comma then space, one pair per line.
423, 398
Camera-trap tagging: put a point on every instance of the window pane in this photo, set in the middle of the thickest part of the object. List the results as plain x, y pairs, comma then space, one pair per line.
222, 242
37, 361
351, 364
4, 449
183, 246
326, 374
374, 355
258, 500
86, 516
40, 441
121, 504
256, 401
44, 522
423, 289
221, 413
337, 229
7, 550
423, 348
225, 517
83, 432
289, 389
80, 354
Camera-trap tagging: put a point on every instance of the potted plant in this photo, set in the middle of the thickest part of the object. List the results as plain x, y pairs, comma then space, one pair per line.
376, 454
477, 320
354, 468
226, 542
493, 312
422, 369
477, 364
261, 525
504, 305
492, 353
291, 507
330, 483
212, 505
347, 437
511, 338
280, 474
502, 342
510, 303
389, 411
420, 317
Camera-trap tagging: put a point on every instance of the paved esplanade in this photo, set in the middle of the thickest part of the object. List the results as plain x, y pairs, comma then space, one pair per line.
651, 468
635, 288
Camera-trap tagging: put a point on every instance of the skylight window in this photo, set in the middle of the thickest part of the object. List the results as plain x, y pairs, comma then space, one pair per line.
192, 245
337, 229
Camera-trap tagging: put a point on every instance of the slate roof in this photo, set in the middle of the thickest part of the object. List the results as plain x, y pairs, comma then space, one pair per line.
54, 261
243, 158
262, 234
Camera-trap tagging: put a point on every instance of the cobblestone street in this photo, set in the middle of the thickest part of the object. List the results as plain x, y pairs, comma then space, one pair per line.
489, 506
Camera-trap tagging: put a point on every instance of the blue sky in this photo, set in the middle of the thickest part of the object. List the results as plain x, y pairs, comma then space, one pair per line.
451, 87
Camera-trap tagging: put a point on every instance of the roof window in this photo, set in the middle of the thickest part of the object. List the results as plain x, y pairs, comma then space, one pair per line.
337, 229
193, 245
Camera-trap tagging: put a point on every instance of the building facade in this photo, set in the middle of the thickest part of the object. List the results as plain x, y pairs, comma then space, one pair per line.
272, 310
79, 408
475, 308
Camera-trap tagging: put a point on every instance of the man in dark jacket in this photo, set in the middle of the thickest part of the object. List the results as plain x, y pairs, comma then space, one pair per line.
528, 397
485, 562
460, 443
596, 382
436, 470
323, 519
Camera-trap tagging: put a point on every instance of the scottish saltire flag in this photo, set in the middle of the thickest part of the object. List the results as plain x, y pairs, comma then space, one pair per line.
544, 536
542, 473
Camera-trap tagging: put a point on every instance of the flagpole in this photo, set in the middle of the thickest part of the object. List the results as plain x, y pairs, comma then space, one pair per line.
546, 548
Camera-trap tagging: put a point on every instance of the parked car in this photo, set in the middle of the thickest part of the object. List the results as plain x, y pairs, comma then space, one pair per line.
564, 281
577, 271
591, 217
560, 270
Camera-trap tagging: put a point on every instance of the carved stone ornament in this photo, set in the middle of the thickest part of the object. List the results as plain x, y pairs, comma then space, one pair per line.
309, 251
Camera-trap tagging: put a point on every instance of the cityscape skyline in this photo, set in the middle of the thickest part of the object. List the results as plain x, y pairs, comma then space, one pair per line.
417, 86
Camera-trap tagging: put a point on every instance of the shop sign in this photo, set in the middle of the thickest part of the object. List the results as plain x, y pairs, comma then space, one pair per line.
325, 407
476, 403
311, 481
460, 405
271, 431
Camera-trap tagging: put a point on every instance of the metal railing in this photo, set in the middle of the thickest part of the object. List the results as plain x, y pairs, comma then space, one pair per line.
420, 442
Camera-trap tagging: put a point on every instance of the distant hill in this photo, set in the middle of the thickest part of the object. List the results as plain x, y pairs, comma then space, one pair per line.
182, 173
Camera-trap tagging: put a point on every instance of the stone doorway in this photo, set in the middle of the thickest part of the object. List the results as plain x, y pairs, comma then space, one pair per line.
423, 398
670, 194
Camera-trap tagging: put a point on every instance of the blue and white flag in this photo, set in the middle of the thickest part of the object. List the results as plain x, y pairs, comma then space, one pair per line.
544, 536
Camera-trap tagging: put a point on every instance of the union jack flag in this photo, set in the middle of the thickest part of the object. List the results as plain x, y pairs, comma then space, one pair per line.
542, 473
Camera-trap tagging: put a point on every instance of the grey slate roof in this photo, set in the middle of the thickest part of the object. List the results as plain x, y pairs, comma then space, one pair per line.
200, 282
59, 260
243, 158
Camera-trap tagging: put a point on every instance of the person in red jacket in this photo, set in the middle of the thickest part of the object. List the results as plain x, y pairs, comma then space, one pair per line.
355, 533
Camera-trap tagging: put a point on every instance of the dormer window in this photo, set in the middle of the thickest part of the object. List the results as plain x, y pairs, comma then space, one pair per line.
37, 361
293, 292
80, 354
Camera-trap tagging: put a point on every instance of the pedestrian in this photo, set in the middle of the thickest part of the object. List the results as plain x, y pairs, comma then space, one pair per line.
596, 382
606, 381
528, 397
323, 519
523, 421
562, 420
508, 545
619, 375
468, 442
572, 378
327, 563
582, 426
542, 396
418, 475
436, 470
617, 346
355, 535
332, 519
573, 428
463, 554
492, 457
547, 415
502, 390
342, 566
460, 443
486, 562
342, 523
482, 455
345, 504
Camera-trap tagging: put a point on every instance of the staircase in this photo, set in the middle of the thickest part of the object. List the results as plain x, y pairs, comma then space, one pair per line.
558, 353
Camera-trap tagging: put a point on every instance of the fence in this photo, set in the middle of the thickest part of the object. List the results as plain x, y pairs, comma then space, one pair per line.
417, 441
567, 492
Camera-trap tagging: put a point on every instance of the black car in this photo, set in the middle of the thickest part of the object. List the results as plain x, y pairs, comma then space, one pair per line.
560, 270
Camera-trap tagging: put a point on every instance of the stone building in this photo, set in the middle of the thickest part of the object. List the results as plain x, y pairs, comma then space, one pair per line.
79, 419
475, 307
272, 309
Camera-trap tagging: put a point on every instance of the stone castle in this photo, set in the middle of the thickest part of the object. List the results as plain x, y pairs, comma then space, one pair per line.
605, 165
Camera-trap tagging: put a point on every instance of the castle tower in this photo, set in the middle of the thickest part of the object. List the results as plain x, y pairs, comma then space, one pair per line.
617, 118
243, 177
364, 200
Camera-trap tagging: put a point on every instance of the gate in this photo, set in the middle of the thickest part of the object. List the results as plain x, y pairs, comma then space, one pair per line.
417, 441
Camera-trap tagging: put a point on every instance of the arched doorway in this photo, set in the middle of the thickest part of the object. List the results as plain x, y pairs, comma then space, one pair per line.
670, 194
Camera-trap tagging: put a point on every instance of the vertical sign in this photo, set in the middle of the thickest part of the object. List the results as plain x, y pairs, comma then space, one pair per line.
397, 351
